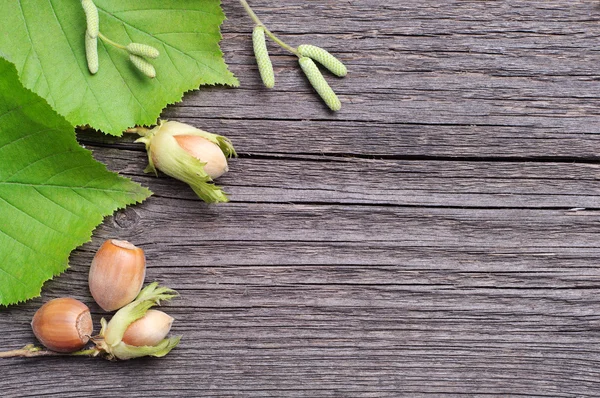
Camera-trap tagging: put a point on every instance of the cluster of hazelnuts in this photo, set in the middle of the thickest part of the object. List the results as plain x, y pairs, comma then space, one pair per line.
116, 277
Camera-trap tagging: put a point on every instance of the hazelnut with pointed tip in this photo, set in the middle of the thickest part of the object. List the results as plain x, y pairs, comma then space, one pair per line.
205, 151
117, 274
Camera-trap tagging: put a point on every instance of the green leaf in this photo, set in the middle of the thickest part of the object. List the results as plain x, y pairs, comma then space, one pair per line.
45, 40
52, 192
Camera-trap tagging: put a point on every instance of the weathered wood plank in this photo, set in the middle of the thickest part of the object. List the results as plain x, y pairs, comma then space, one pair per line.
274, 178
271, 308
480, 79
424, 241
402, 141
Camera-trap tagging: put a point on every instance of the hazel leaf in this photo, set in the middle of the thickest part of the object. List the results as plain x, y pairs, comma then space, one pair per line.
45, 41
52, 191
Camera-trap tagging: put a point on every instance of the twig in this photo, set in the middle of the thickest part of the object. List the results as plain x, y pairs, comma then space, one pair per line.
30, 351
267, 31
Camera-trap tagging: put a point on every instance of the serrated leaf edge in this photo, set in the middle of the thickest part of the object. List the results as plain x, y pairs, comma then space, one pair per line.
143, 190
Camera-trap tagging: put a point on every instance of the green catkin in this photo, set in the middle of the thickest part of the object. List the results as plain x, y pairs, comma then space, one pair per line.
144, 66
91, 52
317, 80
262, 57
324, 58
142, 50
91, 15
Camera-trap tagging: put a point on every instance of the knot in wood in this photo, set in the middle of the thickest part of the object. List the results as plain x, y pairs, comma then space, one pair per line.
126, 218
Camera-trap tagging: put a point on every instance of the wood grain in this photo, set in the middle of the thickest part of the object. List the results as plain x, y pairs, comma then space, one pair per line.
437, 237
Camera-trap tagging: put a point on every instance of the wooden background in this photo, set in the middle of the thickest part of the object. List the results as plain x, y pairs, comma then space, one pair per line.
438, 236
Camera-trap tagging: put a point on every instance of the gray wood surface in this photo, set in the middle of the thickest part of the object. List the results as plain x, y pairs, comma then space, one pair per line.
438, 236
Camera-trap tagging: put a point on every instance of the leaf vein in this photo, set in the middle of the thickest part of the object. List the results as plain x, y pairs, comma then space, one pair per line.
56, 203
216, 72
14, 277
81, 166
23, 137
65, 187
50, 98
28, 247
29, 215
15, 174
124, 80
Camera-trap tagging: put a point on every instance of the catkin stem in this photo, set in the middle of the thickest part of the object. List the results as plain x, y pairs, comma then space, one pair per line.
257, 21
112, 43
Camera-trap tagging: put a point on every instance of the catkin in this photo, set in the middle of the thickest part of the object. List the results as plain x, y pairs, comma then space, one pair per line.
262, 57
91, 15
324, 58
144, 66
142, 50
317, 80
91, 52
